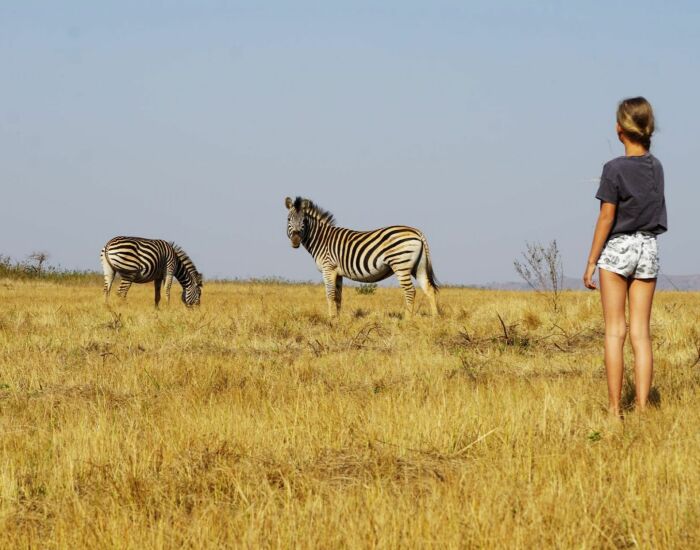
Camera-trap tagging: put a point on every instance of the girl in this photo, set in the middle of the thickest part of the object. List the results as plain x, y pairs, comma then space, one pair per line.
632, 214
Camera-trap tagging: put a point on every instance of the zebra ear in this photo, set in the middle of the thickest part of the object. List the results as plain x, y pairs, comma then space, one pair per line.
305, 204
288, 203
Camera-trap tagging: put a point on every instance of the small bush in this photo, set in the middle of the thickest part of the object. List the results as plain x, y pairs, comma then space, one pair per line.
543, 270
368, 289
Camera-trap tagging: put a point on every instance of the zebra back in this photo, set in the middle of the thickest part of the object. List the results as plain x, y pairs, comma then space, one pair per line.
143, 259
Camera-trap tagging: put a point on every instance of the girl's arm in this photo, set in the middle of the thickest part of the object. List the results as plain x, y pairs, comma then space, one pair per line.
606, 218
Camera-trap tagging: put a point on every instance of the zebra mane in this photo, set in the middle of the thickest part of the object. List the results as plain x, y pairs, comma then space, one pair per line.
314, 211
187, 263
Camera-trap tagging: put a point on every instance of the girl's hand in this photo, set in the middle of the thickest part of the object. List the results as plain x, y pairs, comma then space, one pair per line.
606, 219
588, 277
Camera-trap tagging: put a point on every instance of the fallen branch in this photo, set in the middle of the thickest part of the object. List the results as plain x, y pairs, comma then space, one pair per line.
470, 445
436, 454
363, 336
506, 336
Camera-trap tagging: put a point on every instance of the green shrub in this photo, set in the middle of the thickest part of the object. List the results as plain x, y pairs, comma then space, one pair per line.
369, 288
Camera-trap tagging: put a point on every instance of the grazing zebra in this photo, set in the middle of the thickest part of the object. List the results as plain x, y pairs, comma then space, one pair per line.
365, 256
139, 260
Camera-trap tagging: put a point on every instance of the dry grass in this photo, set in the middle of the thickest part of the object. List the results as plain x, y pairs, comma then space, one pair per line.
255, 421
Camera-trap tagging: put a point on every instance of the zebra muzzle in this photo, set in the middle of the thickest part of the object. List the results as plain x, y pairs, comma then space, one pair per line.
296, 240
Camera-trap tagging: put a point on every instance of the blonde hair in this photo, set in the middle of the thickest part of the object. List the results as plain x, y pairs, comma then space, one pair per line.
636, 118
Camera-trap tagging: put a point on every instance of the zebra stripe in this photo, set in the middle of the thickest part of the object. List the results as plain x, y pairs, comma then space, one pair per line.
364, 256
139, 260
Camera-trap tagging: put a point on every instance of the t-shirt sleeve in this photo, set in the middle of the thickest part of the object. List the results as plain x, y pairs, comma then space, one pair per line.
607, 191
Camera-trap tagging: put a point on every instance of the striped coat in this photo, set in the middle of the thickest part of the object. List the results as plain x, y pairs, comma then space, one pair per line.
139, 260
364, 256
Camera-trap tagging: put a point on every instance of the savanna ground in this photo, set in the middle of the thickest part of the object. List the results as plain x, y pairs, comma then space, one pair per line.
255, 421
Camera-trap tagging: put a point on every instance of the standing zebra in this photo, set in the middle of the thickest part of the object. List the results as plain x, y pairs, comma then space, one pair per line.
139, 260
365, 256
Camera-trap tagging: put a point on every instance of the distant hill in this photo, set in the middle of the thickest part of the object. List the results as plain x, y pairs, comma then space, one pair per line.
666, 282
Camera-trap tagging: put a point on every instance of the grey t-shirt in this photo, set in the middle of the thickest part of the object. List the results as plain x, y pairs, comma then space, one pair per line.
636, 186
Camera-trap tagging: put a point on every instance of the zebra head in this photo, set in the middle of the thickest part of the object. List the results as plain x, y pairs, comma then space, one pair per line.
192, 292
296, 219
188, 276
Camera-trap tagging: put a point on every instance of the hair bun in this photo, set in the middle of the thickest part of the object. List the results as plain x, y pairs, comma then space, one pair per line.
636, 118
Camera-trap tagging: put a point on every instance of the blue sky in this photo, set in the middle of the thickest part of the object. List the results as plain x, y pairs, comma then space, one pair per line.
485, 124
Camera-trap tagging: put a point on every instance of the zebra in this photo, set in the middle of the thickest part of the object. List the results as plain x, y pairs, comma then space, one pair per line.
364, 256
139, 260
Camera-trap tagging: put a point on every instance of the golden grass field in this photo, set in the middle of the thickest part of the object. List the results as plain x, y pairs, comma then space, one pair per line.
254, 421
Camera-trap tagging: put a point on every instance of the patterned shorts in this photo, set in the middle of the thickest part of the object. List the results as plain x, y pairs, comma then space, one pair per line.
631, 255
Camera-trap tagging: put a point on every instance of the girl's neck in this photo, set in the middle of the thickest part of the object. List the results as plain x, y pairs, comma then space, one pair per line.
634, 149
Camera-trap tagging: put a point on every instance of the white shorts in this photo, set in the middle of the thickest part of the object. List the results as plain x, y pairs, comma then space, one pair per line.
633, 255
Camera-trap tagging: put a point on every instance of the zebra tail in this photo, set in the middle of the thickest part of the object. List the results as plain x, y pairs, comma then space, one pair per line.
429, 265
104, 260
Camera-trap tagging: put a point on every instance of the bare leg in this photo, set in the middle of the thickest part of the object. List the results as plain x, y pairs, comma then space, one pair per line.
613, 293
158, 283
641, 293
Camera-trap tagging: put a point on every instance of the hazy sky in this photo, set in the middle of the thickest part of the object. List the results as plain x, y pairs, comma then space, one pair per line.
485, 124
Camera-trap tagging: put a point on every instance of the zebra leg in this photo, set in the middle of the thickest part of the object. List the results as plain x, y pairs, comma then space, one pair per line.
409, 291
124, 287
158, 283
428, 288
330, 278
109, 275
168, 284
338, 293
